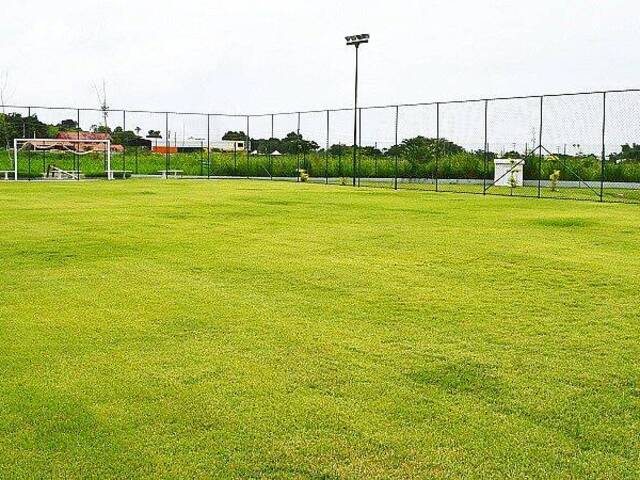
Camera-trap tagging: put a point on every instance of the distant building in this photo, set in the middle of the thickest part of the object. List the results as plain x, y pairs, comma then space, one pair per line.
195, 144
229, 145
69, 141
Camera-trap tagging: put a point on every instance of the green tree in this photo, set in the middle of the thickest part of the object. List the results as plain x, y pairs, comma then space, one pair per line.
265, 146
370, 151
235, 136
339, 150
295, 143
123, 137
100, 129
629, 152
512, 154
155, 134
68, 125
14, 125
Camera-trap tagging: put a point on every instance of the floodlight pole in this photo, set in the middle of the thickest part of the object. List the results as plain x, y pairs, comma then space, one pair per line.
356, 40
355, 117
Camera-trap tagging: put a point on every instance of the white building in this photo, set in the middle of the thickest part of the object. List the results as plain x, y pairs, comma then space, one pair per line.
509, 172
191, 143
224, 145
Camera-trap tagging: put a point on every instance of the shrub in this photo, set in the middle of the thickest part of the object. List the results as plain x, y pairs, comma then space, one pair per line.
513, 181
303, 175
553, 178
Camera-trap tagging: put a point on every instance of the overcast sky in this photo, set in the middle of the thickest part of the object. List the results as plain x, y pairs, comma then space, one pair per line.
283, 55
257, 56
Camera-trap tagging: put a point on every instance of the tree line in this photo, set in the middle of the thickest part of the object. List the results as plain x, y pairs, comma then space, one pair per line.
416, 150
419, 148
15, 125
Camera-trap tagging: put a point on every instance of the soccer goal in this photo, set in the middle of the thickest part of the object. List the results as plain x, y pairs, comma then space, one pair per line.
60, 158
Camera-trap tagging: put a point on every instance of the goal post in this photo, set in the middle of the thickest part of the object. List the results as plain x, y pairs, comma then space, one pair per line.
78, 147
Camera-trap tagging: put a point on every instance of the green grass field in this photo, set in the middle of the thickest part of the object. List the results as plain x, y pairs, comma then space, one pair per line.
247, 329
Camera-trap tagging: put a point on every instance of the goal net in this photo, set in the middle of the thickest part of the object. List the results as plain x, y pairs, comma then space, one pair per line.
62, 158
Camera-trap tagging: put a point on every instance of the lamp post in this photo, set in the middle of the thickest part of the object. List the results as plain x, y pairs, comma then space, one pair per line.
356, 41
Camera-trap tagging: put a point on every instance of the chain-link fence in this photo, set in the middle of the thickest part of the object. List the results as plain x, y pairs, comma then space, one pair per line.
579, 146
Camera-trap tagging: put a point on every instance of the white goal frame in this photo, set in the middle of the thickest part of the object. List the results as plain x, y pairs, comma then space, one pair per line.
51, 143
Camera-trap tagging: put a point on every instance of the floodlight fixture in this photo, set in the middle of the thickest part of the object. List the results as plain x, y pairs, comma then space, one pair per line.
357, 39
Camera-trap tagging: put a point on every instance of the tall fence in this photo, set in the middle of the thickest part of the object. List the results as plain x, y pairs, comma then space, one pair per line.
580, 146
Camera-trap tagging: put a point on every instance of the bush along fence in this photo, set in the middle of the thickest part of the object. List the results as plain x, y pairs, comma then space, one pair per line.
579, 146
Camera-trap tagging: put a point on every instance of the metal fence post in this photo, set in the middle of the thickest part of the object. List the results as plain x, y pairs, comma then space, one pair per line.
326, 153
306, 165
28, 151
604, 148
436, 173
208, 146
395, 180
247, 144
235, 158
540, 148
124, 144
359, 144
167, 160
299, 148
484, 173
270, 152
15, 159
76, 162
201, 157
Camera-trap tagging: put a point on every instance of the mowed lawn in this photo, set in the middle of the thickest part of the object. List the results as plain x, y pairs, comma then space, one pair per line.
248, 329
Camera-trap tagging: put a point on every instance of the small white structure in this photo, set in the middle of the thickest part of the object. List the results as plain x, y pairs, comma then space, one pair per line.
275, 153
229, 145
194, 143
509, 172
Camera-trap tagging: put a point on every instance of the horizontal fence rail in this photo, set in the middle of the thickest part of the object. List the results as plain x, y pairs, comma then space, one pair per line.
583, 146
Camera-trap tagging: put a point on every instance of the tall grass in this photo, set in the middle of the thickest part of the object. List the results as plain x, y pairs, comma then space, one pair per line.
462, 165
